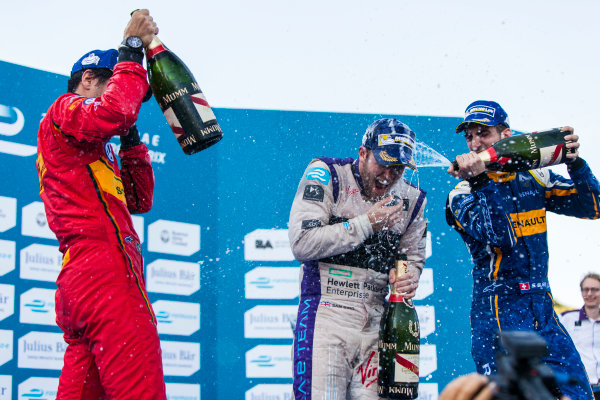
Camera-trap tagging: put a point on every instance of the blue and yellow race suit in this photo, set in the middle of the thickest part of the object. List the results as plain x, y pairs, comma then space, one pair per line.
502, 219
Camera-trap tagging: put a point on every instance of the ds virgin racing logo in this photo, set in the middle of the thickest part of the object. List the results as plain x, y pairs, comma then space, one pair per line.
12, 122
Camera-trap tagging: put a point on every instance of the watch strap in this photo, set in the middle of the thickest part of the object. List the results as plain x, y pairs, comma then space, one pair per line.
127, 53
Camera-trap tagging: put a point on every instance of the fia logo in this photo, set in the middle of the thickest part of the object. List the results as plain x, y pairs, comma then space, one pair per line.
259, 244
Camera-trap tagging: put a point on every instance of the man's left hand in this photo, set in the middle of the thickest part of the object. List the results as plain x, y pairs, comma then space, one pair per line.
406, 284
572, 144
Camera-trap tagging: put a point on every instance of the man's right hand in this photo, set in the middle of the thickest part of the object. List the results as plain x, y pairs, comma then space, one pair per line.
469, 164
141, 24
382, 216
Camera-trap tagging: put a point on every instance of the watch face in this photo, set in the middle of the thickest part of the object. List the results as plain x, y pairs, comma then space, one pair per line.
134, 41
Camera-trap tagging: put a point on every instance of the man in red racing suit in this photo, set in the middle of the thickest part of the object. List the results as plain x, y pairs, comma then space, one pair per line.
101, 303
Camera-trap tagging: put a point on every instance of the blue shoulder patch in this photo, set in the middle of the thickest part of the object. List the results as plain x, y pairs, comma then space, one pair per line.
318, 174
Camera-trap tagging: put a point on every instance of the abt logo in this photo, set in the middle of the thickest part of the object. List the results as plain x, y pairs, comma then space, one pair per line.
12, 122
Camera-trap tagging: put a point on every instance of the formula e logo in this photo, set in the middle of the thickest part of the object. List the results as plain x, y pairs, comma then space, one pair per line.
318, 174
12, 122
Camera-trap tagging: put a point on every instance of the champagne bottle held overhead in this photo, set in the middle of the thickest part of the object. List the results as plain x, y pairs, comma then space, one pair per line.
527, 151
399, 345
190, 117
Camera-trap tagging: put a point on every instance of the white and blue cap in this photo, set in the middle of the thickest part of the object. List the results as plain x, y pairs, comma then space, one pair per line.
484, 112
96, 59
391, 142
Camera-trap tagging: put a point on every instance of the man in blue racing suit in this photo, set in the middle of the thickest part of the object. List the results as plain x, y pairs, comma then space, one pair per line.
502, 219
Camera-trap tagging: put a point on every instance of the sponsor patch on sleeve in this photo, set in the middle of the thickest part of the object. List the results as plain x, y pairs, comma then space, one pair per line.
318, 174
405, 204
313, 193
310, 223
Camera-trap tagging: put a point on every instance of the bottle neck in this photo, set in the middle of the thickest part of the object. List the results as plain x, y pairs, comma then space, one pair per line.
401, 269
155, 47
396, 297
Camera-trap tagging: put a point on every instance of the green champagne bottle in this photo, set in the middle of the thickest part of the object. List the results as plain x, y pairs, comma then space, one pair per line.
190, 117
526, 151
399, 343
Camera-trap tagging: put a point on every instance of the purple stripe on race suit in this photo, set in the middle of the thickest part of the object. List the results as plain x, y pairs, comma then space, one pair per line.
417, 206
357, 176
304, 333
335, 180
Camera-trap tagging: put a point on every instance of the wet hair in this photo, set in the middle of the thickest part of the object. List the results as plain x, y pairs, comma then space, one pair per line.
590, 275
103, 75
500, 128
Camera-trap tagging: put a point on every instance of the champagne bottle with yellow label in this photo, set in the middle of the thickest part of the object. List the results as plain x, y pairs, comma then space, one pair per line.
190, 117
526, 151
399, 344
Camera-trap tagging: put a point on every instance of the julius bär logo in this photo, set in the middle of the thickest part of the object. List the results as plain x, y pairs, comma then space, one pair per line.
12, 122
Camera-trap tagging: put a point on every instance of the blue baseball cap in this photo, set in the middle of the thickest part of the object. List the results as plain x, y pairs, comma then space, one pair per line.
483, 112
391, 142
96, 59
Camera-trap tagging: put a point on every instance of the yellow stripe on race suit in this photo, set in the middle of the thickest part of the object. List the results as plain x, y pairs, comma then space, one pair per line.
560, 192
497, 312
459, 225
529, 223
106, 178
497, 262
41, 170
66, 258
502, 177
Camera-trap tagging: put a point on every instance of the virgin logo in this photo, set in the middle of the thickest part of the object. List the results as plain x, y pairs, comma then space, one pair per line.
351, 190
368, 372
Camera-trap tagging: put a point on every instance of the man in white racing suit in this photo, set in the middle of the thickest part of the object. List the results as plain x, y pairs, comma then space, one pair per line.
349, 220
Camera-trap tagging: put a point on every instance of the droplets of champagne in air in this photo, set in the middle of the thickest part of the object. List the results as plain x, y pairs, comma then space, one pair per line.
424, 156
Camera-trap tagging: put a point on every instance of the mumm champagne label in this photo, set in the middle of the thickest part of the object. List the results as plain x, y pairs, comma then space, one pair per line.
402, 390
551, 155
199, 101
406, 368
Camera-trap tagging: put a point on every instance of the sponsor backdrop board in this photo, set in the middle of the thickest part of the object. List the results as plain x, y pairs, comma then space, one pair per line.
219, 270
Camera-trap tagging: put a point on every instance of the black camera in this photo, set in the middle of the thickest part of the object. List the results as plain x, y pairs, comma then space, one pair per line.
521, 373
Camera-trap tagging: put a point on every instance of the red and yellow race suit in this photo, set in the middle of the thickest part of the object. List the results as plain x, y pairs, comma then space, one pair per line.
101, 302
